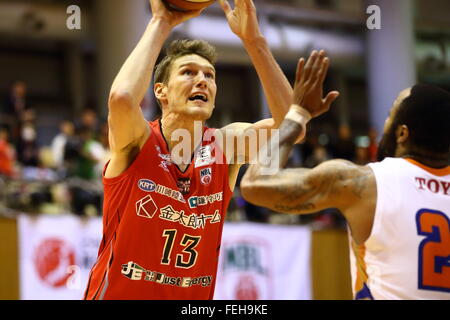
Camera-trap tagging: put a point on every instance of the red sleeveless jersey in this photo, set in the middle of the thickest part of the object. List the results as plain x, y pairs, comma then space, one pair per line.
162, 227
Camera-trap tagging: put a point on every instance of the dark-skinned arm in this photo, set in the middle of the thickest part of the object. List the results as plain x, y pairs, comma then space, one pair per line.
335, 183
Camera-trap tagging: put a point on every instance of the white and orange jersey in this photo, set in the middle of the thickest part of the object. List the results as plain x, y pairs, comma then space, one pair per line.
407, 255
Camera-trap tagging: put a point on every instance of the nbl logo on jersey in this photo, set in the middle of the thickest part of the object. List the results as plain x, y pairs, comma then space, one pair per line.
206, 176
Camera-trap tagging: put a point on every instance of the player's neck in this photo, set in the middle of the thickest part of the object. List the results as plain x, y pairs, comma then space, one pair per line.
177, 129
436, 163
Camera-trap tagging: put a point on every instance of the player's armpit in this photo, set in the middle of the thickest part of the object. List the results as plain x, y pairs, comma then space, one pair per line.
333, 184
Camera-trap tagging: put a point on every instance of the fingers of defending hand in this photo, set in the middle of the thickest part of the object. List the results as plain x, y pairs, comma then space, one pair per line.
323, 70
330, 98
308, 67
248, 4
317, 66
225, 7
299, 86
239, 3
299, 72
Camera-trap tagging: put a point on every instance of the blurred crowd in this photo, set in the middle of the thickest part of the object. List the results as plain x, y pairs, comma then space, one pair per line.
65, 176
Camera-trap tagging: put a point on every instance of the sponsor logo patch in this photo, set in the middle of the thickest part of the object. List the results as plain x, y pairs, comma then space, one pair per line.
135, 272
206, 176
193, 220
204, 157
165, 159
146, 185
196, 201
146, 207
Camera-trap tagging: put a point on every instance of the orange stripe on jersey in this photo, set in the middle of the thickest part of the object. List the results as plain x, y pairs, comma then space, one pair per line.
361, 272
437, 172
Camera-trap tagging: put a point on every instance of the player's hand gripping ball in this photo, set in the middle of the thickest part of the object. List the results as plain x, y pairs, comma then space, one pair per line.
187, 5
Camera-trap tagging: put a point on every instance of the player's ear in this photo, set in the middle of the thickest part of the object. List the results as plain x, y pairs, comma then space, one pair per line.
160, 91
402, 134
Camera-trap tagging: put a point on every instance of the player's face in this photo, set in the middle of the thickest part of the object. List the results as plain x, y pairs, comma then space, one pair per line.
388, 143
191, 89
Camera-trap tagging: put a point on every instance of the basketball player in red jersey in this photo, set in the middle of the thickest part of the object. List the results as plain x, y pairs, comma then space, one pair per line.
162, 220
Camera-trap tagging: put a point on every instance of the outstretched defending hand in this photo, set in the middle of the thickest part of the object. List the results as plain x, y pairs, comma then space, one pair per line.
242, 19
171, 17
308, 89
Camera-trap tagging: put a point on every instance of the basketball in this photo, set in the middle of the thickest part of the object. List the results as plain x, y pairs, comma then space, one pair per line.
186, 5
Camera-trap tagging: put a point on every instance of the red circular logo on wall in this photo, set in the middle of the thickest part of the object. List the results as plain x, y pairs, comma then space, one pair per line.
52, 257
247, 289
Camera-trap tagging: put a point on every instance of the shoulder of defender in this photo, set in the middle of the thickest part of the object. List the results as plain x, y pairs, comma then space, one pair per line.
346, 179
344, 169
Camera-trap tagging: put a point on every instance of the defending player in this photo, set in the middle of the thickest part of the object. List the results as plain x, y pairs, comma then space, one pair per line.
163, 218
398, 210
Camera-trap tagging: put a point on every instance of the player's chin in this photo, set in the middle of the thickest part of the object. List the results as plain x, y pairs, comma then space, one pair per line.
199, 112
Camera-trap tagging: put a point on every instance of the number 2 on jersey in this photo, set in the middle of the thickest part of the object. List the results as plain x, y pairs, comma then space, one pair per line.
190, 242
434, 250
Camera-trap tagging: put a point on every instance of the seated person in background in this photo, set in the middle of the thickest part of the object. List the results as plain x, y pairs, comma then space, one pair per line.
7, 154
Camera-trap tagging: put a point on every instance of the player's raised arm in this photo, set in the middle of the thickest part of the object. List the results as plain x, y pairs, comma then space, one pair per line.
244, 23
128, 89
128, 127
333, 184
301, 190
311, 73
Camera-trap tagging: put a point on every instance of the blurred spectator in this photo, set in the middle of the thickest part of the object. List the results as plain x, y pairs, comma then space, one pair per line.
373, 145
7, 154
106, 153
27, 147
91, 153
319, 155
15, 105
43, 171
89, 119
72, 150
362, 156
345, 146
59, 142
306, 149
85, 198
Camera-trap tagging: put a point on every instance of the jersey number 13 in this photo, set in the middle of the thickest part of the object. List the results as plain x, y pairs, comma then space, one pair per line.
188, 257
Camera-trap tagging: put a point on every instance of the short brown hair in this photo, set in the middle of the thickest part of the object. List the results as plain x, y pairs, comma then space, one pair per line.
180, 48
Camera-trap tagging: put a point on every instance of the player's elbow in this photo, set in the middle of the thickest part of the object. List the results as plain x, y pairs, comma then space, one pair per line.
122, 99
251, 192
